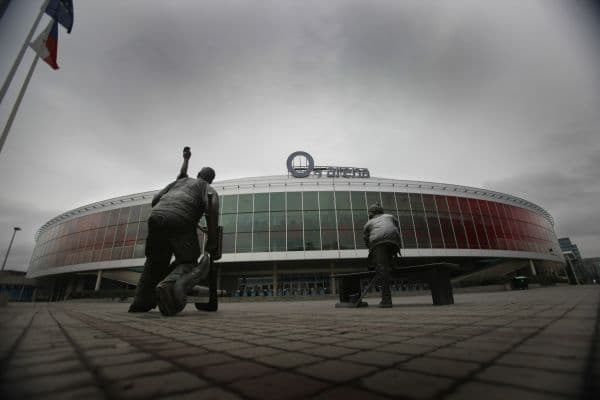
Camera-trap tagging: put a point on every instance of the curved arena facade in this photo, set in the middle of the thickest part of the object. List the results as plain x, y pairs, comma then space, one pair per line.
287, 233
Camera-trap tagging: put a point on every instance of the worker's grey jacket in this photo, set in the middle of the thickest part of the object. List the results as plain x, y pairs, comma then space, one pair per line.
183, 202
382, 228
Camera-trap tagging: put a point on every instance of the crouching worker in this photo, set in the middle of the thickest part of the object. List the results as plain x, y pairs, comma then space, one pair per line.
176, 211
382, 237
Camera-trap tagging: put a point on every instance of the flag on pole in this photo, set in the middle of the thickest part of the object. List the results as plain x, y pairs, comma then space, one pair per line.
46, 44
62, 12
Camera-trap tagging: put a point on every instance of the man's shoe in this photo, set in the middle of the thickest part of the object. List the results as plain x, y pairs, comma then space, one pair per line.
168, 304
139, 306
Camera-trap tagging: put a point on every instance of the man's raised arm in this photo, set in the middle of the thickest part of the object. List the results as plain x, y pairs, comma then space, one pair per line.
187, 153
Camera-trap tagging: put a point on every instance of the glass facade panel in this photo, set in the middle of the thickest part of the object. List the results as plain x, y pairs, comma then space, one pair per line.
346, 239
278, 242
312, 240
388, 202
468, 223
479, 227
260, 242
326, 201
342, 200
358, 200
294, 201
261, 222
445, 222
407, 227
329, 239
328, 219
433, 223
244, 223
310, 200
277, 202
243, 243
228, 204
245, 203
295, 242
311, 220
261, 202
418, 211
294, 220
372, 198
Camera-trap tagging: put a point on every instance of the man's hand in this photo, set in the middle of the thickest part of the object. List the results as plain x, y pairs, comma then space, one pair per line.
211, 247
187, 153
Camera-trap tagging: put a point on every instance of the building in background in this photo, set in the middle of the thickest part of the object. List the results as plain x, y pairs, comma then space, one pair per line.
592, 266
288, 234
576, 272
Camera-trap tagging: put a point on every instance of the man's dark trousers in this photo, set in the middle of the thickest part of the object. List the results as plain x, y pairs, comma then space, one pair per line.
165, 239
382, 256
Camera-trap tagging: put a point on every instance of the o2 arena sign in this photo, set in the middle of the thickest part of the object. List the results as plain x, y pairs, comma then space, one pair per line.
301, 164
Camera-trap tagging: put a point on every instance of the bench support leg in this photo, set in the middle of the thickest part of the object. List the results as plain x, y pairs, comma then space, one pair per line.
441, 289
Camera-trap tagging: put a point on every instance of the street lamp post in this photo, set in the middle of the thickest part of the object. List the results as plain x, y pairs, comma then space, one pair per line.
15, 229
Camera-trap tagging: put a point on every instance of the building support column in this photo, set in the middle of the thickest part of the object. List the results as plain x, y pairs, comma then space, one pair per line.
275, 279
34, 295
533, 270
98, 280
21, 292
331, 278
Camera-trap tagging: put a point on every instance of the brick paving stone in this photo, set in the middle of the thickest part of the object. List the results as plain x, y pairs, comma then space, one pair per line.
157, 385
549, 362
404, 348
183, 351
36, 386
440, 366
535, 379
377, 358
235, 371
360, 344
43, 357
119, 359
279, 386
267, 341
479, 390
253, 352
213, 393
224, 346
32, 370
288, 359
431, 341
324, 340
329, 351
403, 383
555, 349
465, 354
201, 360
125, 371
292, 346
348, 393
87, 393
336, 371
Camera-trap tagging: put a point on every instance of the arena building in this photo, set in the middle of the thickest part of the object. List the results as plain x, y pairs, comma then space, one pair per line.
288, 234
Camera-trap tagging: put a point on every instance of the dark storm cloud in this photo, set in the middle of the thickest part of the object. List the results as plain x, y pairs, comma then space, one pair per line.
501, 94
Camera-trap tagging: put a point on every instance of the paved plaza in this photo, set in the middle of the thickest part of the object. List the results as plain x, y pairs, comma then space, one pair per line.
534, 344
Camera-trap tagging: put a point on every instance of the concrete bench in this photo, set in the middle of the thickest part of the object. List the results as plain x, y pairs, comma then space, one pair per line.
436, 275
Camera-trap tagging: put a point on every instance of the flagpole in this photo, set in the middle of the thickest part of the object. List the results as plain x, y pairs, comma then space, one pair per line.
15, 108
12, 71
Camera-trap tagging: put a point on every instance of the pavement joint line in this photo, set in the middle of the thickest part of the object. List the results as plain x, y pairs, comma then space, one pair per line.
356, 384
4, 362
457, 381
182, 367
470, 376
102, 383
590, 391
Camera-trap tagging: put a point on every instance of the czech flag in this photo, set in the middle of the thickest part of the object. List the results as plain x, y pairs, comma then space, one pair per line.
46, 44
61, 11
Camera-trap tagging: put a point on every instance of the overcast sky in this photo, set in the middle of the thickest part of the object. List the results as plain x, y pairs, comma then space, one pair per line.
502, 95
